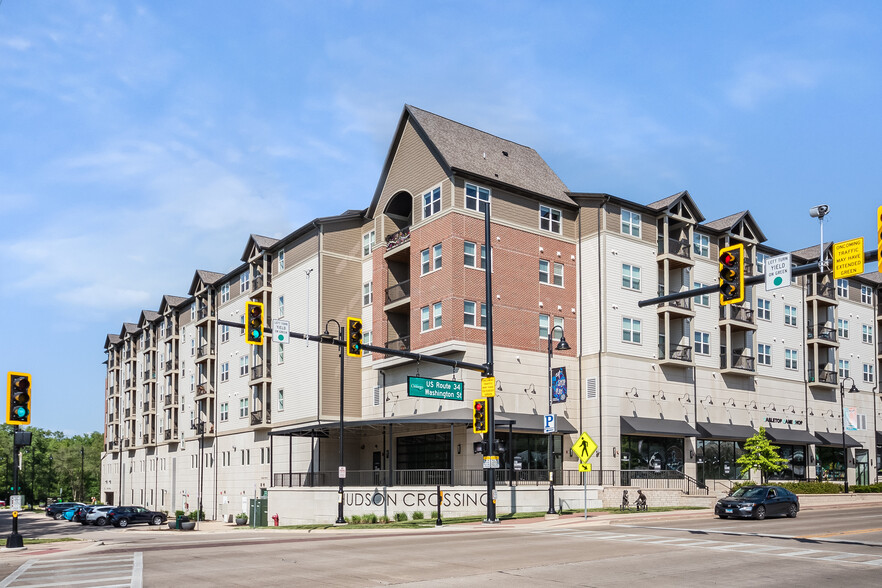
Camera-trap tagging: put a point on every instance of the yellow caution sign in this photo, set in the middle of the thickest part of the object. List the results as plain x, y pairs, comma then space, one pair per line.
584, 466
488, 387
584, 448
848, 258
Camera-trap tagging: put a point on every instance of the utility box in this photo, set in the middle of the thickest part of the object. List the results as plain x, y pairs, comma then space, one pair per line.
257, 511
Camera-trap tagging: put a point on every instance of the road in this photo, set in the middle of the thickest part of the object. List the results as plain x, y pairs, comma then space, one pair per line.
835, 546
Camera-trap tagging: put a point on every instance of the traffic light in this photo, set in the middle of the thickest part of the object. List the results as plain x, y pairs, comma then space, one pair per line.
479, 416
732, 274
18, 398
879, 234
353, 337
254, 323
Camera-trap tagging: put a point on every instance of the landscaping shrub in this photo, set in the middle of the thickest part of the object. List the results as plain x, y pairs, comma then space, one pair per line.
863, 489
418, 515
383, 519
370, 519
355, 519
400, 516
806, 487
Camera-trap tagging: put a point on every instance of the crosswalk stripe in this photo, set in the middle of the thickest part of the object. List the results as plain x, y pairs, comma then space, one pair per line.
115, 571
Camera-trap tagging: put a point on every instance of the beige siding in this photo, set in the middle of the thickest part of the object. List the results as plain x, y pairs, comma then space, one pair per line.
648, 230
342, 239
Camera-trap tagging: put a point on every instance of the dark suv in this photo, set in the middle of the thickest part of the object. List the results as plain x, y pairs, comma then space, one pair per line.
123, 516
55, 510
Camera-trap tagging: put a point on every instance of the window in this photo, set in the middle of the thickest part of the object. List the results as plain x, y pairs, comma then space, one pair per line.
761, 262
701, 245
868, 373
244, 281
630, 223
424, 319
842, 328
543, 327
866, 295
469, 314
425, 262
545, 278
549, 219
224, 411
281, 353
867, 334
192, 347
630, 277
281, 306
436, 256
764, 309
475, 195
367, 242
469, 250
243, 365
843, 368
701, 299
281, 260
243, 407
436, 314
367, 294
281, 396
431, 202
789, 315
631, 330
193, 312
764, 354
433, 321
367, 338
791, 359
225, 371
842, 288
702, 343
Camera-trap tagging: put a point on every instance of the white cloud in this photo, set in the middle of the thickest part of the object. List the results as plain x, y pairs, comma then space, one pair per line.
766, 76
16, 43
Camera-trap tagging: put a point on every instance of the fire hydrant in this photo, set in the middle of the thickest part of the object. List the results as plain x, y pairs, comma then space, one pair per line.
276, 520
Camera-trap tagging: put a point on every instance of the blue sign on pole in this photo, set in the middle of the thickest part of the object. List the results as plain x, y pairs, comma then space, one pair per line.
550, 423
559, 385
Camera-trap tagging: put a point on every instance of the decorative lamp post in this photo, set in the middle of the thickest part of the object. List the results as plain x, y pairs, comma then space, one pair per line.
562, 345
842, 411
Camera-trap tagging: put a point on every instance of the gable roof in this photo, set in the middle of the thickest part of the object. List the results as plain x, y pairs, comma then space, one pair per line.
169, 301
206, 277
147, 316
727, 223
670, 201
111, 340
260, 241
462, 149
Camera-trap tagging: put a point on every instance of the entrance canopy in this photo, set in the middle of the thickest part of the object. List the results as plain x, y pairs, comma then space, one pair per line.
520, 422
653, 427
791, 436
835, 440
725, 431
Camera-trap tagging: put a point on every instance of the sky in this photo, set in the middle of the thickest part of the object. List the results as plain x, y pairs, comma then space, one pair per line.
140, 142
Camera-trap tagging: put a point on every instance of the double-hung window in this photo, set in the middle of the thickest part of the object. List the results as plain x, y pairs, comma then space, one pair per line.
430, 259
225, 371
701, 299
367, 294
476, 198
281, 259
843, 368
470, 255
244, 281
866, 295
764, 354
470, 318
430, 317
791, 357
702, 343
789, 315
544, 321
630, 277
549, 219
842, 288
225, 293
432, 202
367, 241
630, 223
842, 328
545, 273
868, 373
225, 333
243, 365
764, 309
867, 334
701, 245
631, 328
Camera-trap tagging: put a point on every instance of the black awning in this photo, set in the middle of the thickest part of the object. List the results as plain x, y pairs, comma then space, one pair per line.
654, 427
720, 431
835, 440
791, 436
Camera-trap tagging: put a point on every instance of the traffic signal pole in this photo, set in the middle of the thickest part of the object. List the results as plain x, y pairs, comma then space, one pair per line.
14, 541
488, 372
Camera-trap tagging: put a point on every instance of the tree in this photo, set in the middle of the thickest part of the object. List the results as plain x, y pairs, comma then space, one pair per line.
760, 454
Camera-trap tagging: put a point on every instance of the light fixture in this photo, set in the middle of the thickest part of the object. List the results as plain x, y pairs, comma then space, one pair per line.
686, 397
707, 400
730, 402
748, 405
659, 396
770, 405
791, 408
632, 392
615, 452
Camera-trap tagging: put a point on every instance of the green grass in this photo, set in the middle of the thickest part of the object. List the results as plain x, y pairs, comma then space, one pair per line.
54, 540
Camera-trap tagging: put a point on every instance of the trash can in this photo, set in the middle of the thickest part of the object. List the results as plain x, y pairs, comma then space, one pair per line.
178, 521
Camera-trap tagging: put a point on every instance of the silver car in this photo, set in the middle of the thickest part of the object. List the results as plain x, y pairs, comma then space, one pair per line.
97, 515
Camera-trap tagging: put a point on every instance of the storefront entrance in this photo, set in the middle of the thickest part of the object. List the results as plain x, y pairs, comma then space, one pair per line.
862, 466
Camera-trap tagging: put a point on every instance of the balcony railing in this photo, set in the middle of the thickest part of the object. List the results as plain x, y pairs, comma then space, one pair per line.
128, 412
128, 382
149, 375
256, 417
824, 289
146, 406
167, 435
204, 350
127, 442
677, 352
146, 439
401, 344
825, 333
825, 377
739, 362
203, 312
171, 364
171, 399
738, 313
397, 238
678, 247
258, 281
257, 372
682, 303
397, 292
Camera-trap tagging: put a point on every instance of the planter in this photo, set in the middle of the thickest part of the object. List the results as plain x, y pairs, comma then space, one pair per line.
188, 526
241, 522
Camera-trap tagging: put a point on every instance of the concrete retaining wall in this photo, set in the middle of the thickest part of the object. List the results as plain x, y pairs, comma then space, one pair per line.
612, 497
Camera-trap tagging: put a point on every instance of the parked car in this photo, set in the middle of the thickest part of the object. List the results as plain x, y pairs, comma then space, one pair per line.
758, 502
80, 512
123, 516
97, 515
55, 510
70, 513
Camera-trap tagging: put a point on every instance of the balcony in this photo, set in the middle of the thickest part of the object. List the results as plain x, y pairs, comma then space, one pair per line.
204, 350
741, 363
258, 281
146, 439
399, 291
167, 435
127, 443
257, 372
397, 238
824, 335
678, 252
823, 290
147, 406
203, 313
825, 378
171, 399
128, 354
678, 354
401, 344
738, 315
682, 307
149, 375
128, 383
171, 364
128, 412
203, 390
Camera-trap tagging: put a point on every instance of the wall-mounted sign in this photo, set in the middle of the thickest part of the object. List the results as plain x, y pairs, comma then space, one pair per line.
439, 389
783, 421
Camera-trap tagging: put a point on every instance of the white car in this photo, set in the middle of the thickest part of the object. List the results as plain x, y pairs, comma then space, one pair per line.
97, 515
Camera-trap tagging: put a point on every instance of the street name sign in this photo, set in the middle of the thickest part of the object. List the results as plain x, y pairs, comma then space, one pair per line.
438, 389
848, 258
778, 271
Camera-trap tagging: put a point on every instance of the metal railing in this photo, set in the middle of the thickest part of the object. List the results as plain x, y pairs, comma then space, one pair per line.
682, 303
204, 350
256, 417
678, 247
825, 376
171, 399
203, 312
398, 292
737, 312
401, 344
257, 371
739, 362
825, 333
397, 238
824, 289
677, 352
146, 439
258, 281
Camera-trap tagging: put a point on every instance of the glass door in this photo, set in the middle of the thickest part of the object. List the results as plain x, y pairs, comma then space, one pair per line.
862, 466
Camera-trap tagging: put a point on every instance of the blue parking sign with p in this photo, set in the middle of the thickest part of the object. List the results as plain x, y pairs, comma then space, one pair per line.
550, 423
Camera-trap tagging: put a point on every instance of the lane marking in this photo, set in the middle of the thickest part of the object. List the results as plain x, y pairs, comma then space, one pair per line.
138, 570
839, 533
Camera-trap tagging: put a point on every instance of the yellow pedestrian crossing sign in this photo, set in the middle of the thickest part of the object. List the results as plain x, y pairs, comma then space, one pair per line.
584, 466
584, 448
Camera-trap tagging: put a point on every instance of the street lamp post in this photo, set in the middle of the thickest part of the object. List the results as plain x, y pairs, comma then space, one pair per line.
199, 425
842, 412
82, 473
341, 344
562, 345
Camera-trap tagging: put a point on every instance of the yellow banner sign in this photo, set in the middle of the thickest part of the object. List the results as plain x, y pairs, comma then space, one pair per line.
488, 387
848, 258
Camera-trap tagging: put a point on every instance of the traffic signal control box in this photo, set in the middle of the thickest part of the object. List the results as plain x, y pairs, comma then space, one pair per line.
732, 274
254, 323
479, 416
18, 398
353, 337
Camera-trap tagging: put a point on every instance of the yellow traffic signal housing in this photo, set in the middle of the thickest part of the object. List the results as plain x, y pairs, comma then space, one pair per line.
254, 323
732, 274
353, 337
18, 398
879, 234
479, 416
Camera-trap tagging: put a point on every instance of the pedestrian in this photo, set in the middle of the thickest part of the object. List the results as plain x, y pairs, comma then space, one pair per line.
94, 502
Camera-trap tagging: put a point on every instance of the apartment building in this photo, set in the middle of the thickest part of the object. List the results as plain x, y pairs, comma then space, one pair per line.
671, 389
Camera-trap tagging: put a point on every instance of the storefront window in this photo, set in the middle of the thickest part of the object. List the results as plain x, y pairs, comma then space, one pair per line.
794, 469
829, 465
424, 452
878, 462
715, 460
652, 453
